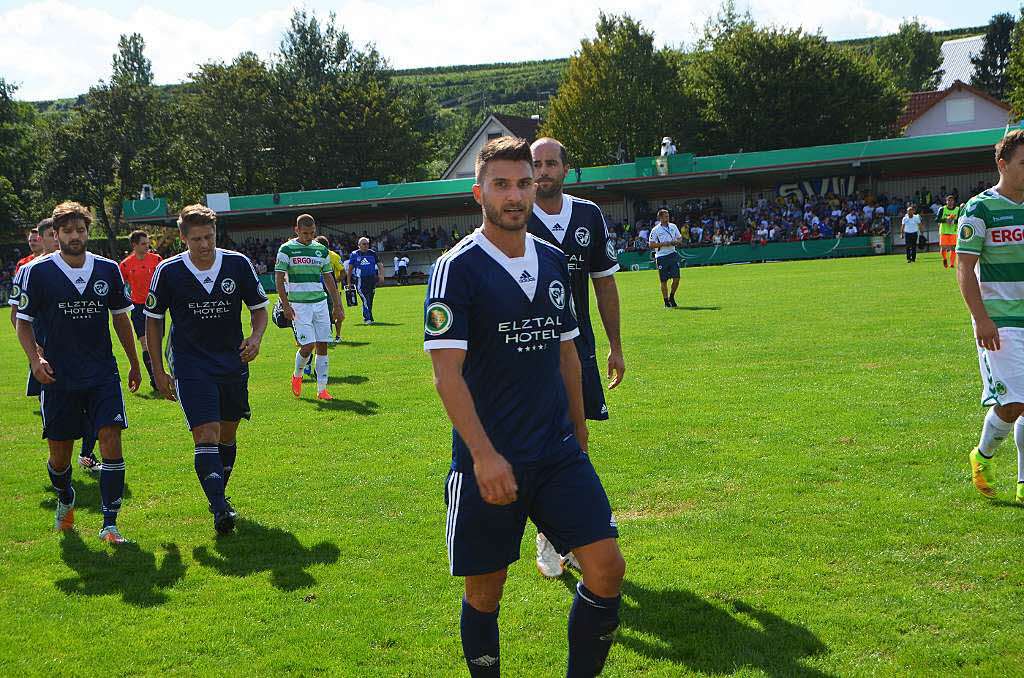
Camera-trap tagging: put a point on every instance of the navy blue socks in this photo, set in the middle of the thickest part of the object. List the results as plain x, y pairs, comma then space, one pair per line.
227, 459
211, 475
480, 641
592, 624
111, 489
61, 481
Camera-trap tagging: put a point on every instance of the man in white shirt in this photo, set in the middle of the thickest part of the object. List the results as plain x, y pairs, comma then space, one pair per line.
851, 231
401, 268
910, 230
664, 240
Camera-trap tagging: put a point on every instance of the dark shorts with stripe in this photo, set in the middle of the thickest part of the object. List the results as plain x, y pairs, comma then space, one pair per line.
668, 266
32, 386
139, 320
594, 405
73, 413
562, 496
205, 401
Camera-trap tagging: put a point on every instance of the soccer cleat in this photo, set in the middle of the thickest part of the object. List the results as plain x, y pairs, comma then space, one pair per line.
65, 517
89, 463
1020, 493
672, 301
110, 535
667, 305
569, 560
324, 395
297, 386
224, 522
231, 509
549, 563
307, 370
981, 473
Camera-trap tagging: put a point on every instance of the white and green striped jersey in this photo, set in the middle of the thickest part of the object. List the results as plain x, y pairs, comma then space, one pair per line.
303, 264
991, 226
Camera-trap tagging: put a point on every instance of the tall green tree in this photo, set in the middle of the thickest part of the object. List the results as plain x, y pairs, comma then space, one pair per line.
913, 55
766, 88
19, 157
618, 92
1015, 70
990, 64
342, 117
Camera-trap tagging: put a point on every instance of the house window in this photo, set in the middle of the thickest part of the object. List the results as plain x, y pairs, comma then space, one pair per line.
960, 110
493, 135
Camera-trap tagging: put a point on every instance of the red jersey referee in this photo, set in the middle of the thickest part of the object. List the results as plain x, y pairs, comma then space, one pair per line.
137, 270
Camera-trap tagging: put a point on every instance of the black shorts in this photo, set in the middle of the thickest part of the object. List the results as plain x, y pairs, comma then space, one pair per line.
594, 405
139, 320
205, 401
563, 497
668, 266
32, 386
69, 414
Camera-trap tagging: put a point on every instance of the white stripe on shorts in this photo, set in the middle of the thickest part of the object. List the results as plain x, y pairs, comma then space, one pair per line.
454, 494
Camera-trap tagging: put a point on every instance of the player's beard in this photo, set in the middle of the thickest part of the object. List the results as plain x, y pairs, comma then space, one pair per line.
504, 221
72, 248
553, 189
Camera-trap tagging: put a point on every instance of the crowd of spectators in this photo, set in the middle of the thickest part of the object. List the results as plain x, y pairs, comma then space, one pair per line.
764, 219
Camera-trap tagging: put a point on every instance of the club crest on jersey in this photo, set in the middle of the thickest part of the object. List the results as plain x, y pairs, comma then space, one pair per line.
966, 232
609, 249
1000, 388
23, 302
556, 290
582, 236
101, 287
438, 320
151, 301
227, 285
15, 291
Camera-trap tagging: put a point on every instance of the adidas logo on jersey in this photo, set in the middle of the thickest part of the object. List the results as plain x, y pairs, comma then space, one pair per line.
80, 281
119, 419
207, 280
557, 227
526, 278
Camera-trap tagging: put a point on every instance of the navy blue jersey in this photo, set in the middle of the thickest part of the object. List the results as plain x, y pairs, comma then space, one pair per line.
363, 264
510, 316
206, 313
580, 231
69, 309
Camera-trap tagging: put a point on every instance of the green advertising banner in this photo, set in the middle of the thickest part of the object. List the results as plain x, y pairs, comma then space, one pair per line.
776, 251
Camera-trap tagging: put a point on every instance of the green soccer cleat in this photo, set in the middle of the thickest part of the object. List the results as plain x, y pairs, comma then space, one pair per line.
1020, 493
981, 473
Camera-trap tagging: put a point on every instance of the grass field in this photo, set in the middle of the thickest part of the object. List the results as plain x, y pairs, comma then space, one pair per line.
787, 460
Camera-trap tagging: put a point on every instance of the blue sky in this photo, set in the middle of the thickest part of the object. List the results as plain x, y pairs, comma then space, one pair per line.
58, 48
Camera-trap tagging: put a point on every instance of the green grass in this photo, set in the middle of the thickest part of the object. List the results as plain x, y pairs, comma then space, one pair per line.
787, 460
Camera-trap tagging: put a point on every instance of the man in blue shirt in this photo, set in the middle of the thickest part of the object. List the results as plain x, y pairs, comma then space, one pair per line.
499, 325
68, 297
362, 264
204, 289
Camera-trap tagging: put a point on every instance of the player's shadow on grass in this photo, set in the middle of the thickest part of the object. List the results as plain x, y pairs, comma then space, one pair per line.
125, 569
254, 548
351, 379
697, 308
351, 343
87, 494
378, 323
683, 628
361, 407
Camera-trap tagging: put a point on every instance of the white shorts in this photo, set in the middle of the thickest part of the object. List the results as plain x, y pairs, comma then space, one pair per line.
312, 322
1002, 371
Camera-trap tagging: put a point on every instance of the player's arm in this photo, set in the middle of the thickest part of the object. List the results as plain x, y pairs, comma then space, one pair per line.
493, 473
332, 289
41, 369
250, 347
123, 329
154, 344
607, 294
985, 331
572, 377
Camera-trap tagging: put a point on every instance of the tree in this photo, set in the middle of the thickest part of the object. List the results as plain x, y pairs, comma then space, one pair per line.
341, 115
766, 88
913, 55
990, 64
618, 91
1015, 70
19, 158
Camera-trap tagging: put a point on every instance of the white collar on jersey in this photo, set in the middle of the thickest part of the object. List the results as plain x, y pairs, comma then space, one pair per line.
558, 223
79, 277
206, 278
523, 270
1005, 197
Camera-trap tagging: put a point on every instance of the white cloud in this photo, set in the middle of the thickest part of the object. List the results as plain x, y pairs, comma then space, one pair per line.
52, 48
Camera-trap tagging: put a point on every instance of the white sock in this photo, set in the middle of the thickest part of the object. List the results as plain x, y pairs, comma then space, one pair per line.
300, 362
321, 372
1018, 437
993, 432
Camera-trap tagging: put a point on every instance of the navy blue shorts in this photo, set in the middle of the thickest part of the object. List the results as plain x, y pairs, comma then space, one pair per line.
668, 266
32, 386
205, 401
139, 320
563, 497
594, 406
69, 414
